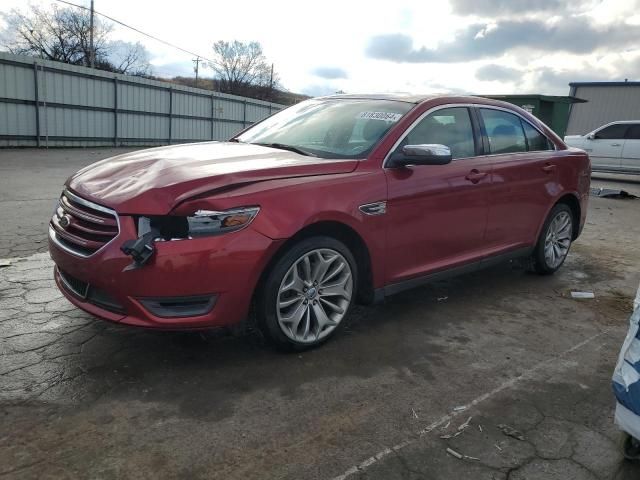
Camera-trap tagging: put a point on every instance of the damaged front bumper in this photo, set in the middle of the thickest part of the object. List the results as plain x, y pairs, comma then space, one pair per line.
193, 283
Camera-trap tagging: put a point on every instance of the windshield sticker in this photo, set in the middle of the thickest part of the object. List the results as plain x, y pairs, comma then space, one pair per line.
384, 116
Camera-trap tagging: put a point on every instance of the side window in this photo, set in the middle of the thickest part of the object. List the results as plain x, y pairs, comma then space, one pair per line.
612, 132
450, 127
535, 139
633, 132
504, 131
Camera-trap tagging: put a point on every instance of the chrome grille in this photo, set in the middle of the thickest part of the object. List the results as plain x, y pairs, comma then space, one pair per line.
82, 227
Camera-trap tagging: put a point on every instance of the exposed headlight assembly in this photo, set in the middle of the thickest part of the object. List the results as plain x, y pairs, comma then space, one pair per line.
210, 222
202, 223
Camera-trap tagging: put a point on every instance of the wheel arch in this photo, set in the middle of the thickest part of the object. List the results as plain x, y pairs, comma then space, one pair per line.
571, 200
342, 232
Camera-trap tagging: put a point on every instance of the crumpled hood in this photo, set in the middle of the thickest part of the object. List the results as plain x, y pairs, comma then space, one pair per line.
154, 181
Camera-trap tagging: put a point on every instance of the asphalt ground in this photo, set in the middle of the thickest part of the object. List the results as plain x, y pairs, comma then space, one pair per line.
81, 398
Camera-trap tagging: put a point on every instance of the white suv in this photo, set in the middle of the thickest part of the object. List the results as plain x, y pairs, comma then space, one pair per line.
614, 147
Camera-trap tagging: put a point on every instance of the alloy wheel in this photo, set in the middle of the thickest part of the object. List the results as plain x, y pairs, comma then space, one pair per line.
558, 239
314, 295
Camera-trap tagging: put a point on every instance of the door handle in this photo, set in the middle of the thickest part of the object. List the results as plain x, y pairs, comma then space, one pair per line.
474, 176
616, 144
549, 168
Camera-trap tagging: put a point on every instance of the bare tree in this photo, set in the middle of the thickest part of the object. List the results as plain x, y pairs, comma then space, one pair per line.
239, 66
62, 34
131, 58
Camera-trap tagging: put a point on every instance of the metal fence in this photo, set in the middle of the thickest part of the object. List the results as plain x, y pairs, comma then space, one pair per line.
52, 104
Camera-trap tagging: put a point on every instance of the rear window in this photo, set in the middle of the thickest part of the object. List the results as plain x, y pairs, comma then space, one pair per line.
504, 131
633, 132
535, 140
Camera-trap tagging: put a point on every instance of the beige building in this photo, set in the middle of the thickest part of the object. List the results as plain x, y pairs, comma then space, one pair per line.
606, 102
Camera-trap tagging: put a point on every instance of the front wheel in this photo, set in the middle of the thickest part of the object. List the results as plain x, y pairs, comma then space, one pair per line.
307, 293
555, 240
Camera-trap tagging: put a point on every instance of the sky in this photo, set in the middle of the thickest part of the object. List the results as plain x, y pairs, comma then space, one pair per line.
446, 46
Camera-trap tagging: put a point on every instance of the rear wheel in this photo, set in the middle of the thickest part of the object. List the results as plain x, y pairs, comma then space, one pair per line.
555, 240
307, 293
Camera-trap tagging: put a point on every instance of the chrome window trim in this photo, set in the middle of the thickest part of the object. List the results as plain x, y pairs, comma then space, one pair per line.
467, 105
54, 237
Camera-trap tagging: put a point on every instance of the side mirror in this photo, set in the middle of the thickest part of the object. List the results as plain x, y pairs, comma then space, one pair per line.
591, 136
426, 154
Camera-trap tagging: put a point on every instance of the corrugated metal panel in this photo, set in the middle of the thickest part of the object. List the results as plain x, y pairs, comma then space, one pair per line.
255, 113
77, 107
17, 119
185, 104
137, 97
190, 129
17, 82
131, 125
63, 122
604, 104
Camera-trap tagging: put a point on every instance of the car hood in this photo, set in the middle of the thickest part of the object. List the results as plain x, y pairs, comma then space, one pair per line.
154, 181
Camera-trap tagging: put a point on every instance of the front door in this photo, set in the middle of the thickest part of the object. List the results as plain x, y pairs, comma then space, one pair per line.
437, 214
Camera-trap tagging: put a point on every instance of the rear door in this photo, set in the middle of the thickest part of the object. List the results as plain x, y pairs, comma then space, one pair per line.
630, 160
605, 148
524, 174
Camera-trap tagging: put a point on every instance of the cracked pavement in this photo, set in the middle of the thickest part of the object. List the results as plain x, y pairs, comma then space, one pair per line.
83, 398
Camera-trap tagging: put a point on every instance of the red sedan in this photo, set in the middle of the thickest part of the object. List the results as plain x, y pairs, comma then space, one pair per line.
332, 201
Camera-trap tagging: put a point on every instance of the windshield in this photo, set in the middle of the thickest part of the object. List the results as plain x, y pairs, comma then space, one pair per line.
329, 128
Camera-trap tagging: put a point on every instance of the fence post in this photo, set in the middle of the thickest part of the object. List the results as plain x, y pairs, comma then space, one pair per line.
37, 99
213, 115
115, 111
170, 113
244, 115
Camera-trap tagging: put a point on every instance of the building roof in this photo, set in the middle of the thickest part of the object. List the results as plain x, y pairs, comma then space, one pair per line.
544, 98
605, 84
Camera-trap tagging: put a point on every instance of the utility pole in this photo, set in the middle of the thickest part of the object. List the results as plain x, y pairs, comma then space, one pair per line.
271, 85
197, 61
92, 53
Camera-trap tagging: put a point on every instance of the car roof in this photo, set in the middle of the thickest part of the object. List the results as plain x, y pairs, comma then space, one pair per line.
398, 97
417, 98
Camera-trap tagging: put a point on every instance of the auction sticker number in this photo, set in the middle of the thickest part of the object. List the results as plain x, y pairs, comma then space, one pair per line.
384, 116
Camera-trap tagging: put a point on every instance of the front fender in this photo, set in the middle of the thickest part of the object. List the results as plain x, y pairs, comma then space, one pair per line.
287, 206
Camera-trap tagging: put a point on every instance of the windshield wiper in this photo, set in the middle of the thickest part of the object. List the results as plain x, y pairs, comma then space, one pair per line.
291, 148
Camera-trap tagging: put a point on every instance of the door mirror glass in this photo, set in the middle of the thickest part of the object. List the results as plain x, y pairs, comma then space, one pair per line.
424, 154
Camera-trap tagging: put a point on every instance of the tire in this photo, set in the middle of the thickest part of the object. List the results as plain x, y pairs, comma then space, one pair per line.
631, 448
555, 240
293, 310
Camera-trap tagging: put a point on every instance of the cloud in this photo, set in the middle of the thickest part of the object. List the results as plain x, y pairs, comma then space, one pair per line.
552, 80
578, 36
491, 8
500, 73
330, 72
172, 69
319, 90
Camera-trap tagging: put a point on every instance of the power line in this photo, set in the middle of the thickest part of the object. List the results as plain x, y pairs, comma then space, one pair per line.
137, 30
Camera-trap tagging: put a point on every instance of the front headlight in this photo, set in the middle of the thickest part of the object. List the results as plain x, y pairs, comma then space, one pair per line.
211, 222
201, 224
